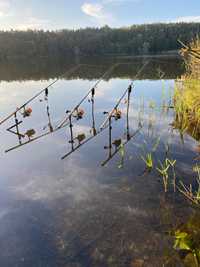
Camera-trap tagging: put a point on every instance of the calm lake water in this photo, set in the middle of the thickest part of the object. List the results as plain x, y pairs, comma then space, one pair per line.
76, 212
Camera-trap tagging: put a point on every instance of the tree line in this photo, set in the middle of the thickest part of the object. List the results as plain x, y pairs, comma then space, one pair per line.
145, 39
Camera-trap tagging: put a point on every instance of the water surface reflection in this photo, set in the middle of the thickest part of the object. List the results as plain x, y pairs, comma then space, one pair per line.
76, 212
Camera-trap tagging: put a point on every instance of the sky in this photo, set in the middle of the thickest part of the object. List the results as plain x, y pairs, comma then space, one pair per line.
62, 14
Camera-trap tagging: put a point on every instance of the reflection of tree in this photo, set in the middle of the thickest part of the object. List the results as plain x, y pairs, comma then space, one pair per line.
44, 69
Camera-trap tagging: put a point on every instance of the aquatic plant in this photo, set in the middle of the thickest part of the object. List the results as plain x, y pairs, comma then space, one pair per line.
172, 163
152, 104
184, 242
163, 170
122, 155
187, 240
189, 192
141, 113
148, 160
187, 108
191, 55
163, 97
156, 144
187, 93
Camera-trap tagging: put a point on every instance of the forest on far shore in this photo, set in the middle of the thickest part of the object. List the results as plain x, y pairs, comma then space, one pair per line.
147, 39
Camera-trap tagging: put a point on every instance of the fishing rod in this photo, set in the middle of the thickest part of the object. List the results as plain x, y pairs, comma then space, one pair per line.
118, 149
127, 90
128, 136
66, 122
93, 114
36, 138
140, 70
39, 93
91, 137
81, 144
85, 97
115, 108
151, 59
63, 124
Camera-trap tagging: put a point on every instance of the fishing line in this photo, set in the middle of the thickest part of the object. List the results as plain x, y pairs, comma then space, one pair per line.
65, 122
85, 97
129, 88
39, 93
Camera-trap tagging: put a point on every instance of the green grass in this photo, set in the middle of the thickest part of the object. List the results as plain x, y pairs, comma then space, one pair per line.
187, 95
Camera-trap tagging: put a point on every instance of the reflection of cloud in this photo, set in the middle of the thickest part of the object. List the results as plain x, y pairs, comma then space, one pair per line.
161, 127
103, 89
134, 211
74, 182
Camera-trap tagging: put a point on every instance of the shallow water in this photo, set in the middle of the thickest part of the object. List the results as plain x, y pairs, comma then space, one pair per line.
76, 212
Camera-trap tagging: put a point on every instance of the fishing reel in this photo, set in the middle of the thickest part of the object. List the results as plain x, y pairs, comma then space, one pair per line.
78, 113
116, 114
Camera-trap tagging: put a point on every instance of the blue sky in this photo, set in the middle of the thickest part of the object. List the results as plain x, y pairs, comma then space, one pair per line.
52, 14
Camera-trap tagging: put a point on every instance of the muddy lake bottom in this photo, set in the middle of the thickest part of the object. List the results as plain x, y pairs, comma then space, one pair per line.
80, 212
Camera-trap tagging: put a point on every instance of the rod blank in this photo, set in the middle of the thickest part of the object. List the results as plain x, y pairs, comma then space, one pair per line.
38, 94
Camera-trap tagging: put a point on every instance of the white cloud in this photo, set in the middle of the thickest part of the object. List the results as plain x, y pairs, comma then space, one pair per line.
188, 19
4, 4
33, 23
4, 7
93, 10
120, 1
97, 12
